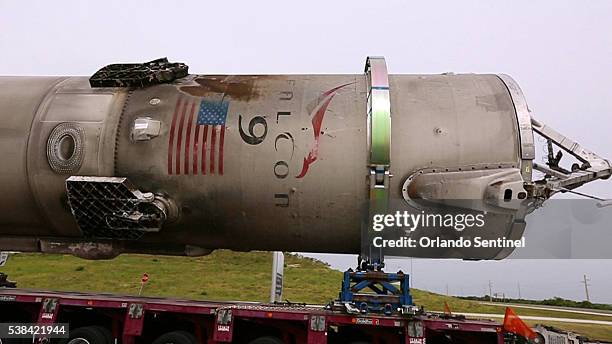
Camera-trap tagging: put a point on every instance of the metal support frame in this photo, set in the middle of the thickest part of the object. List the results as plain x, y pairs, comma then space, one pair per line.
379, 145
557, 179
593, 166
383, 297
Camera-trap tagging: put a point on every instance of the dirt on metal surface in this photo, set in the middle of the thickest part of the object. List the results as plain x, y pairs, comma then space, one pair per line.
240, 87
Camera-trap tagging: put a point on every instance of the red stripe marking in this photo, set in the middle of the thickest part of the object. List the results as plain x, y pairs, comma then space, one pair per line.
196, 140
204, 149
171, 138
213, 138
221, 139
188, 138
180, 141
325, 94
317, 120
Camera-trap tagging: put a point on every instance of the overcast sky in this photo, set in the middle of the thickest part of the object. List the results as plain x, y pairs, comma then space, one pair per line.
560, 52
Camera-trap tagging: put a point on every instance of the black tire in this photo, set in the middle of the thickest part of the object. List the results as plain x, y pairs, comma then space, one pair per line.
176, 337
89, 335
14, 341
266, 340
107, 333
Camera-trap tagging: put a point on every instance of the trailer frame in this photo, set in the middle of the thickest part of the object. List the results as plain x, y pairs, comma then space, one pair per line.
137, 319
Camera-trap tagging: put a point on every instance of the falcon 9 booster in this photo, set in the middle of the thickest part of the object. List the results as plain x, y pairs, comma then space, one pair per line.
176, 163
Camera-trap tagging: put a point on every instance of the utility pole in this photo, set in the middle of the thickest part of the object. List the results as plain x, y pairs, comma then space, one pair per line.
411, 275
490, 291
446, 289
585, 281
518, 284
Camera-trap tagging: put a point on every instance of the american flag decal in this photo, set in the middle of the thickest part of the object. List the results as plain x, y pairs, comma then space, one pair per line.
197, 135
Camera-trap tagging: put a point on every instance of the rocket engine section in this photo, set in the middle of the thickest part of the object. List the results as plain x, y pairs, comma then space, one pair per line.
147, 158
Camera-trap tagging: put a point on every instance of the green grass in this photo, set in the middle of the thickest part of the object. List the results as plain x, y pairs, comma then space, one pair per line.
223, 275
436, 302
226, 275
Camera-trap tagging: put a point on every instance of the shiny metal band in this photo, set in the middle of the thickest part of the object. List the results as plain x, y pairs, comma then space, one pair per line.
525, 130
379, 145
379, 111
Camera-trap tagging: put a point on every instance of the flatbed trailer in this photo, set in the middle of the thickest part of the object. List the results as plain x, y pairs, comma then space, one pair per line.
136, 320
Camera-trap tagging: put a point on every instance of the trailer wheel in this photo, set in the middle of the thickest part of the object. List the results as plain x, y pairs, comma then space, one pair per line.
176, 337
14, 341
266, 340
89, 335
106, 332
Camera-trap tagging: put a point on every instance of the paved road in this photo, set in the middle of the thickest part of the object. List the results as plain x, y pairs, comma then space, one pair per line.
598, 312
528, 317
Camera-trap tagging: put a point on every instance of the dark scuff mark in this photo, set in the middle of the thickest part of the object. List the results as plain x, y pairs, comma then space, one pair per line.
238, 87
493, 102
